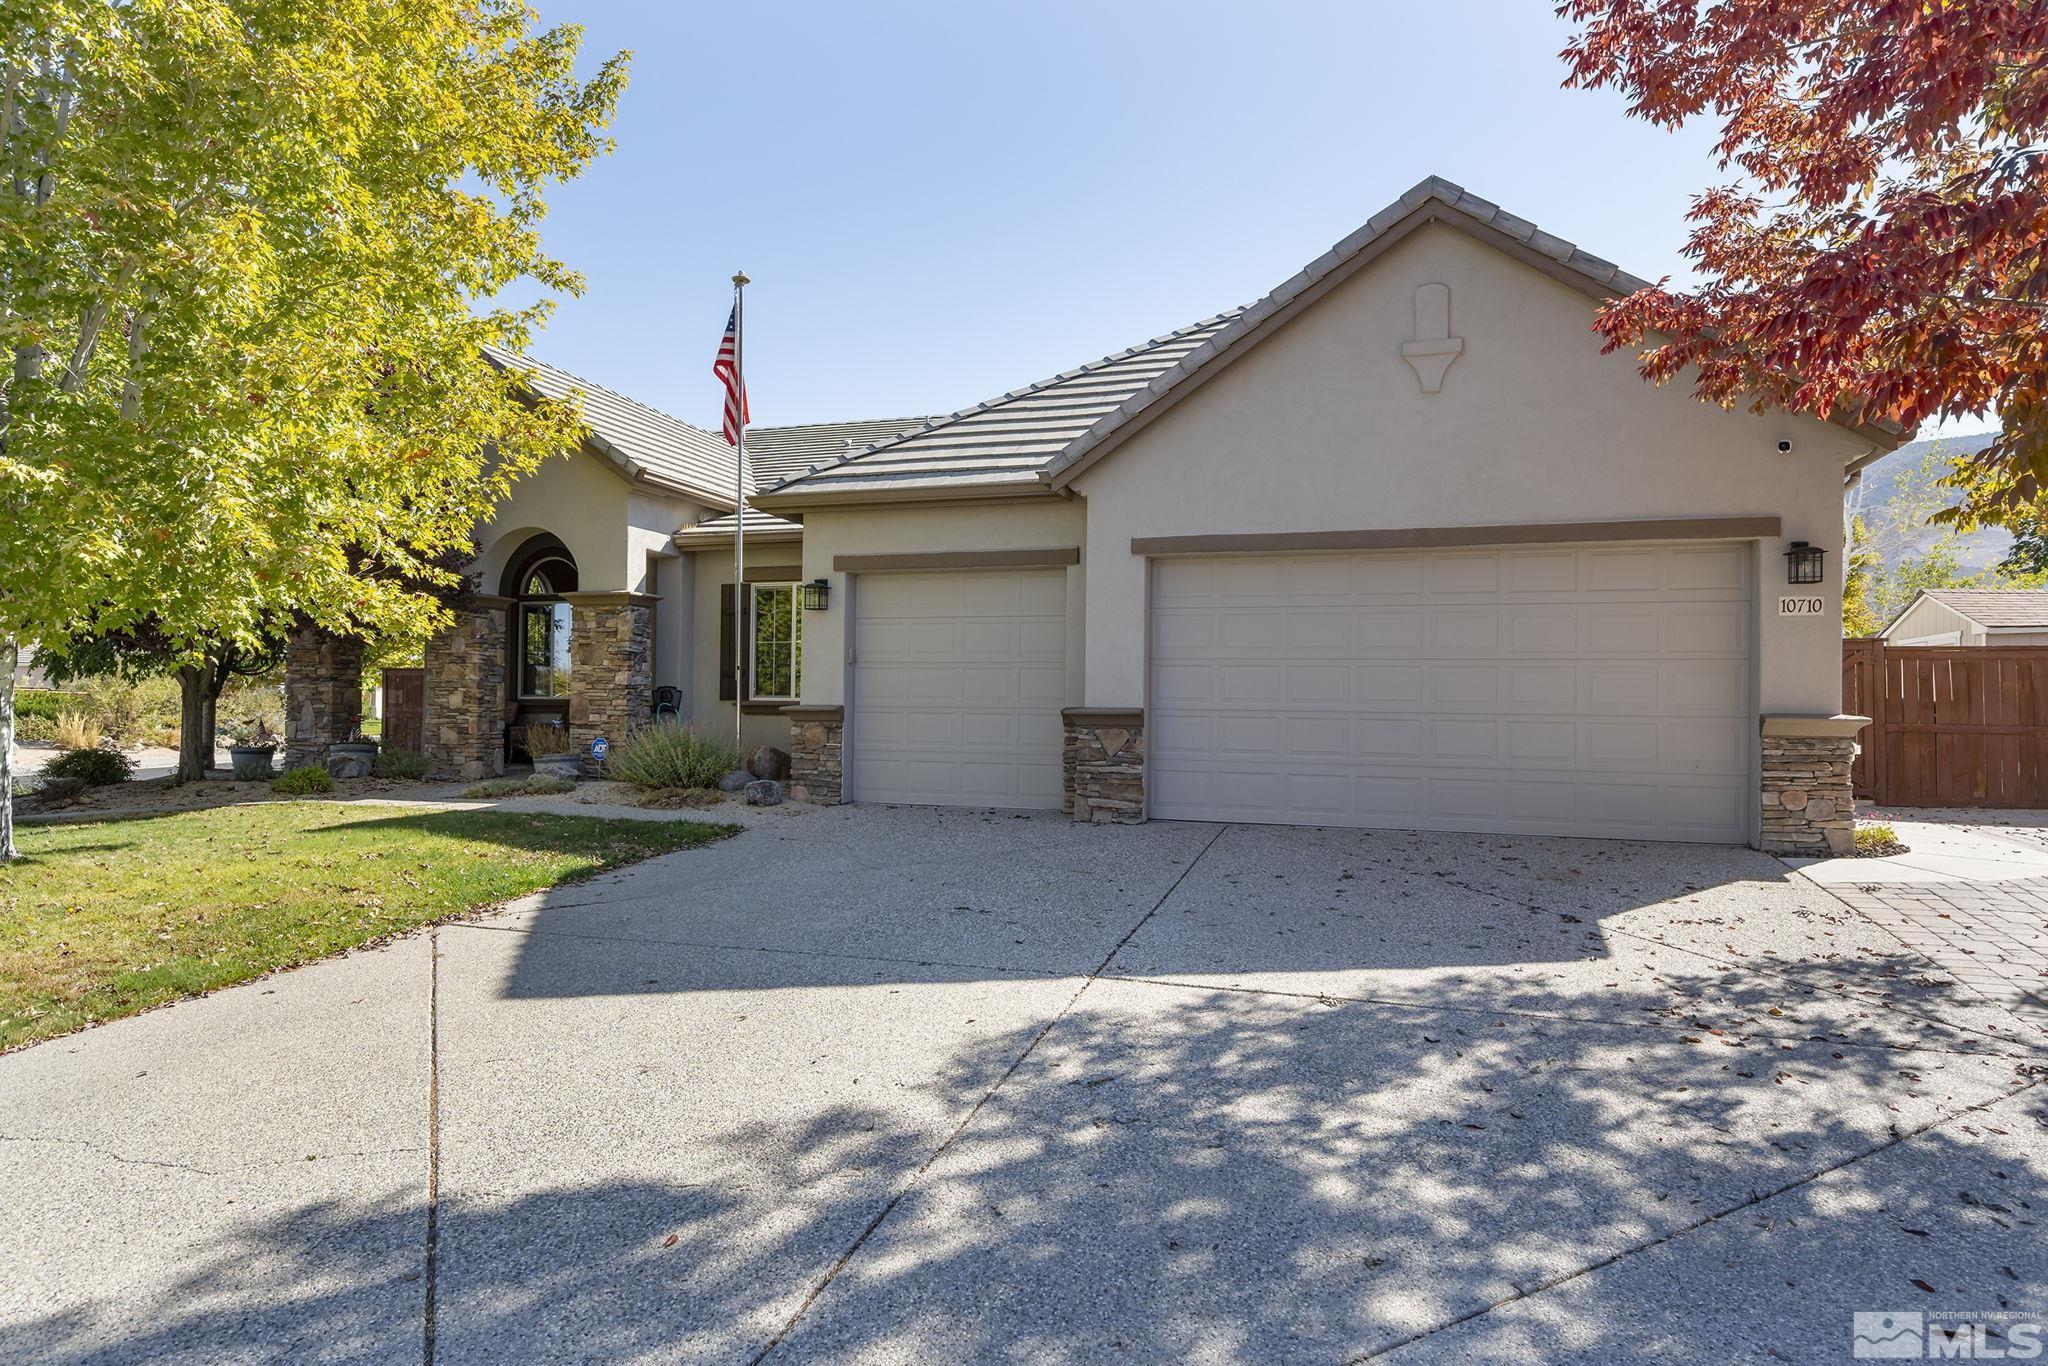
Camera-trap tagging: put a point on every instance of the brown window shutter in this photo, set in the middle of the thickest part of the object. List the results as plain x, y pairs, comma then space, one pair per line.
730, 674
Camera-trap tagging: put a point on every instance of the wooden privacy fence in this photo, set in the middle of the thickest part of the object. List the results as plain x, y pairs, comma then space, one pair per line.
1949, 727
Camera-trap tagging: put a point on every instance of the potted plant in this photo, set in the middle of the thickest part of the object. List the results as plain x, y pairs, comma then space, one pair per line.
552, 752
358, 746
252, 757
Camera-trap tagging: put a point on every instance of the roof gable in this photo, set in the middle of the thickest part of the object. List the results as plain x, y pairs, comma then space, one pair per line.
1434, 200
1995, 608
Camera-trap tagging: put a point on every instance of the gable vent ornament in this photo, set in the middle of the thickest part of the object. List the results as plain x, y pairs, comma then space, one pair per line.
1434, 348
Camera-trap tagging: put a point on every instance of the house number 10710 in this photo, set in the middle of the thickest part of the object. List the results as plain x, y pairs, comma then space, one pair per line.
1802, 607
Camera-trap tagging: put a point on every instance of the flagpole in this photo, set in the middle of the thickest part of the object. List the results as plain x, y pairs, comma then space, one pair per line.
739, 527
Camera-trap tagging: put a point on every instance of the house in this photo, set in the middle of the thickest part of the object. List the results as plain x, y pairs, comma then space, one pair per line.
1972, 616
1394, 545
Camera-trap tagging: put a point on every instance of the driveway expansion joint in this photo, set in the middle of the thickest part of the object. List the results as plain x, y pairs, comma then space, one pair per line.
1897, 1137
888, 1208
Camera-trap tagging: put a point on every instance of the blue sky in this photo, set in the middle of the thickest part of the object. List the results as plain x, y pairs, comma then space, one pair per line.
939, 202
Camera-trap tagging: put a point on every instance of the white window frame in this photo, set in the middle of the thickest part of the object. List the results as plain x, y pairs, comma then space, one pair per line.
796, 641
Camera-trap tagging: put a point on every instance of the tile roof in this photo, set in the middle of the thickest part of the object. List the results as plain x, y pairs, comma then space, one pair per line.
1007, 440
778, 453
642, 440
1997, 607
718, 530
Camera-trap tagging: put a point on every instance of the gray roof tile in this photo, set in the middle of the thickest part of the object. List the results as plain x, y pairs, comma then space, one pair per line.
2023, 607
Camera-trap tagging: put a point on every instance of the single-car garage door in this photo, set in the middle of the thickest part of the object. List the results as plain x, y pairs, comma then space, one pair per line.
1598, 691
957, 684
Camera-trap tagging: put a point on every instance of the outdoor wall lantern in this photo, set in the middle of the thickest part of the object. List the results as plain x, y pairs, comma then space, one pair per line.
1802, 563
817, 593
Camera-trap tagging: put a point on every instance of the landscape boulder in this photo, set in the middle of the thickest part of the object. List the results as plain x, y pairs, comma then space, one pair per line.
735, 781
769, 762
346, 764
765, 792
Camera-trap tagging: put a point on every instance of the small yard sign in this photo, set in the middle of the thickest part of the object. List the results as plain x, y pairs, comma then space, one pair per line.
599, 748
1802, 607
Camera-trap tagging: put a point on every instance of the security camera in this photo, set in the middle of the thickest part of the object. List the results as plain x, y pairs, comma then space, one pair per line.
1784, 447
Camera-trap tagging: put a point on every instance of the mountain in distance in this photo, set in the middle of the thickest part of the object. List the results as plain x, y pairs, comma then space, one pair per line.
1897, 493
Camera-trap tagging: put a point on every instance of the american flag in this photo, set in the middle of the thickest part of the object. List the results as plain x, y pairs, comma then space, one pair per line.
726, 367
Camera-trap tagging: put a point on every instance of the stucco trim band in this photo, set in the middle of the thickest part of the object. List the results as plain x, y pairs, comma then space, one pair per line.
804, 711
1042, 558
1439, 537
599, 597
1842, 727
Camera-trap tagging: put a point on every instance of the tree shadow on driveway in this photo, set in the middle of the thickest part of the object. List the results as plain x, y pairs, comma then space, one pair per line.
1176, 1173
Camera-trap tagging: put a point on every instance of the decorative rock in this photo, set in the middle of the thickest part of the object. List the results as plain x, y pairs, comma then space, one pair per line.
769, 762
735, 781
1792, 799
346, 765
764, 792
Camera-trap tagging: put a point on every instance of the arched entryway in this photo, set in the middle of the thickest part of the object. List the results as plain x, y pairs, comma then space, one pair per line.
539, 579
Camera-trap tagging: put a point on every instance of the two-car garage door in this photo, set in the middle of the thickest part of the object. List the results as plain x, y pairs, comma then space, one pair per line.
1580, 691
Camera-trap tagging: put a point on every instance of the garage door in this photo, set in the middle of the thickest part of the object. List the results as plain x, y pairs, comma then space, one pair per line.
958, 680
1598, 691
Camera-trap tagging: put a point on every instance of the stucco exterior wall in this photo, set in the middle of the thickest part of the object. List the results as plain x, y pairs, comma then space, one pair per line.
1016, 524
712, 569
1325, 427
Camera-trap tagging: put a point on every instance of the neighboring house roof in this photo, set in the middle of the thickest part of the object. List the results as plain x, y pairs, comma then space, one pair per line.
642, 441
715, 531
1001, 445
1050, 432
1994, 609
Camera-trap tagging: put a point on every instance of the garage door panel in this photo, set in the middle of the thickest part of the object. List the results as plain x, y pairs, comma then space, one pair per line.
1575, 691
957, 688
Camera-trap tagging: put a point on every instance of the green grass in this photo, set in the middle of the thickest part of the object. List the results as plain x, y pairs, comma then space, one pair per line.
104, 919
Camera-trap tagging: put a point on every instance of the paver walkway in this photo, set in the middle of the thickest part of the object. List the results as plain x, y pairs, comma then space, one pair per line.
1971, 893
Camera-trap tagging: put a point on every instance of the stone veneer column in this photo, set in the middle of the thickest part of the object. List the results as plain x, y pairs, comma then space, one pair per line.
815, 735
1104, 763
1809, 804
323, 693
463, 729
611, 665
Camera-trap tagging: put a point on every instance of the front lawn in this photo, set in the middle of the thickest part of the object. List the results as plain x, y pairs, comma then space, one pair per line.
105, 919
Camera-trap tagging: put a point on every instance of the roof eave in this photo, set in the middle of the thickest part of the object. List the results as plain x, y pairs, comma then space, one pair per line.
1004, 491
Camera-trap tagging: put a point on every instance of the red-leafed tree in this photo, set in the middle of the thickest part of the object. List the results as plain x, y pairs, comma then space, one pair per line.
1885, 250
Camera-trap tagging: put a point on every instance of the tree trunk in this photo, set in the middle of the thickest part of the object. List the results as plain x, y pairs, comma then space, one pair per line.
195, 707
10, 655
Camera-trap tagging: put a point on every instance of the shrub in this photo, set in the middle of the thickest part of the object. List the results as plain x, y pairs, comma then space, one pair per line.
50, 791
94, 767
43, 702
36, 729
545, 738
128, 710
1877, 841
307, 781
670, 755
76, 730
400, 763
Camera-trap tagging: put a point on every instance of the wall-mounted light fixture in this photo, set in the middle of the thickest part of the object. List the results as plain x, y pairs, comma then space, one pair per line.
1803, 563
817, 593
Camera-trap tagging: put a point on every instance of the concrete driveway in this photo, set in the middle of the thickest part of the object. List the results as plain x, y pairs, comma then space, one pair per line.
888, 1085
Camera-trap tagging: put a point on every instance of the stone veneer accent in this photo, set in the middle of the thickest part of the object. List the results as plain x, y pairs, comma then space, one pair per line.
1809, 804
1104, 764
323, 693
815, 736
463, 731
611, 665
